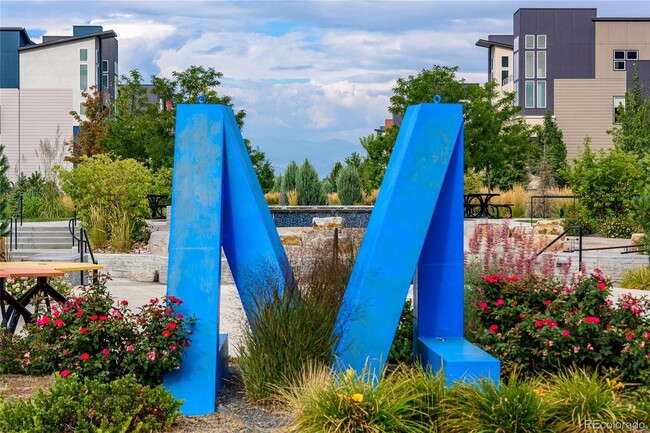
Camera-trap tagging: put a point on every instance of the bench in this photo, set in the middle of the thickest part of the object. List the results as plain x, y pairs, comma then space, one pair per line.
158, 204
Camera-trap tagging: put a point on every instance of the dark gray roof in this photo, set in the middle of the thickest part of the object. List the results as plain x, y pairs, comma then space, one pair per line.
622, 19
101, 35
504, 41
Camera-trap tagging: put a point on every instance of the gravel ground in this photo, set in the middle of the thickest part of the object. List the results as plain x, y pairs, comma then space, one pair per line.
235, 413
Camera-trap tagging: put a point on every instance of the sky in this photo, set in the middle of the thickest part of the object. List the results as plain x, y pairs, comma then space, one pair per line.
313, 76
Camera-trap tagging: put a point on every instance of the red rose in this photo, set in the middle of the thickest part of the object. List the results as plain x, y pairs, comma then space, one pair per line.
166, 333
58, 323
83, 330
601, 286
80, 313
85, 356
171, 325
493, 328
125, 302
105, 352
93, 318
65, 373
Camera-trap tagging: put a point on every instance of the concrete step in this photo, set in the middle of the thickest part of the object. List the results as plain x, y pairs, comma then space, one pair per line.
43, 245
39, 237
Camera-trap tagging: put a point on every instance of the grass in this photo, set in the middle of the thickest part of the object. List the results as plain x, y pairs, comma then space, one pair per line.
519, 197
638, 278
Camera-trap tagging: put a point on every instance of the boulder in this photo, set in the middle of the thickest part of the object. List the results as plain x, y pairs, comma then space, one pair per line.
159, 243
549, 227
637, 238
291, 239
328, 223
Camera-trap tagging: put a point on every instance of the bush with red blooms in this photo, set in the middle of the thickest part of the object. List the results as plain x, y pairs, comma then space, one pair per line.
92, 337
545, 325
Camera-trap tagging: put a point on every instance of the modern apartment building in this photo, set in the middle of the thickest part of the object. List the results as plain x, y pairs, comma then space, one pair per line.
41, 83
574, 64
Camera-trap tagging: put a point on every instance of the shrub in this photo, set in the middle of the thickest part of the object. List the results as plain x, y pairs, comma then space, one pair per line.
402, 348
161, 181
513, 406
580, 217
576, 398
607, 183
333, 198
473, 181
294, 326
89, 406
348, 186
308, 186
92, 338
277, 184
326, 187
371, 198
292, 197
272, 198
11, 353
107, 186
290, 178
545, 325
638, 278
619, 226
406, 400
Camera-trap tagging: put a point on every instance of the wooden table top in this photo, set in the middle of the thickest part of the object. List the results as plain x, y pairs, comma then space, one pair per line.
59, 266
29, 272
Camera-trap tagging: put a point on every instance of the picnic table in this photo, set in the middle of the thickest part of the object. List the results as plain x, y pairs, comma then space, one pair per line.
477, 205
13, 308
157, 203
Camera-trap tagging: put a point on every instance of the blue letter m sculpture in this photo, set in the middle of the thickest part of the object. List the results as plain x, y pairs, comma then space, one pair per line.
416, 229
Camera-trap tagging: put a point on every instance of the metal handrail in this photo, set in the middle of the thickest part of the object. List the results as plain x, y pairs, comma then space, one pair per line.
579, 228
72, 226
12, 233
83, 244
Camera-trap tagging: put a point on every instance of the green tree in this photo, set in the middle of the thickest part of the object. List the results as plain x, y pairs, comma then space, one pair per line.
290, 178
4, 193
334, 174
378, 150
349, 186
308, 186
633, 132
550, 146
354, 159
497, 139
92, 128
277, 184
607, 184
262, 166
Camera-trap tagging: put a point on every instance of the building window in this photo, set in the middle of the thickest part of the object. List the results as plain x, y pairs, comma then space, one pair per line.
515, 67
82, 109
631, 55
530, 64
504, 77
504, 61
541, 64
105, 66
529, 94
83, 55
105, 81
619, 60
516, 44
619, 107
541, 94
83, 77
541, 42
115, 68
530, 42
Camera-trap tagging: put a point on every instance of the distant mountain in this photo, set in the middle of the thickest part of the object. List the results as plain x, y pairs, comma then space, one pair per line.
322, 154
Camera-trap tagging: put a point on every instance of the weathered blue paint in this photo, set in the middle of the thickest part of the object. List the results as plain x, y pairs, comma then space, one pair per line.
194, 268
417, 223
216, 200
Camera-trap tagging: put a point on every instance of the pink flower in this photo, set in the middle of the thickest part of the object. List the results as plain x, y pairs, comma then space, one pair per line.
153, 301
85, 356
152, 356
539, 324
64, 373
601, 286
499, 302
58, 323
592, 319
43, 320
589, 346
105, 352
629, 336
567, 290
565, 333
647, 335
576, 349
174, 300
179, 316
483, 305
129, 348
493, 328
172, 347
56, 313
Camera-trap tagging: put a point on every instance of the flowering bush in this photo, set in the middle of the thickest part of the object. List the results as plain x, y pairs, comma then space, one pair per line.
545, 325
90, 336
17, 286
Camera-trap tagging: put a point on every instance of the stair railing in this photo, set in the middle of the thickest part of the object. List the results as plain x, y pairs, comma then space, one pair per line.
83, 244
579, 228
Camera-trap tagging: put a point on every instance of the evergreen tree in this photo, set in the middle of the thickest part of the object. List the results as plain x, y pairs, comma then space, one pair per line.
308, 186
334, 174
349, 186
550, 152
290, 178
277, 184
